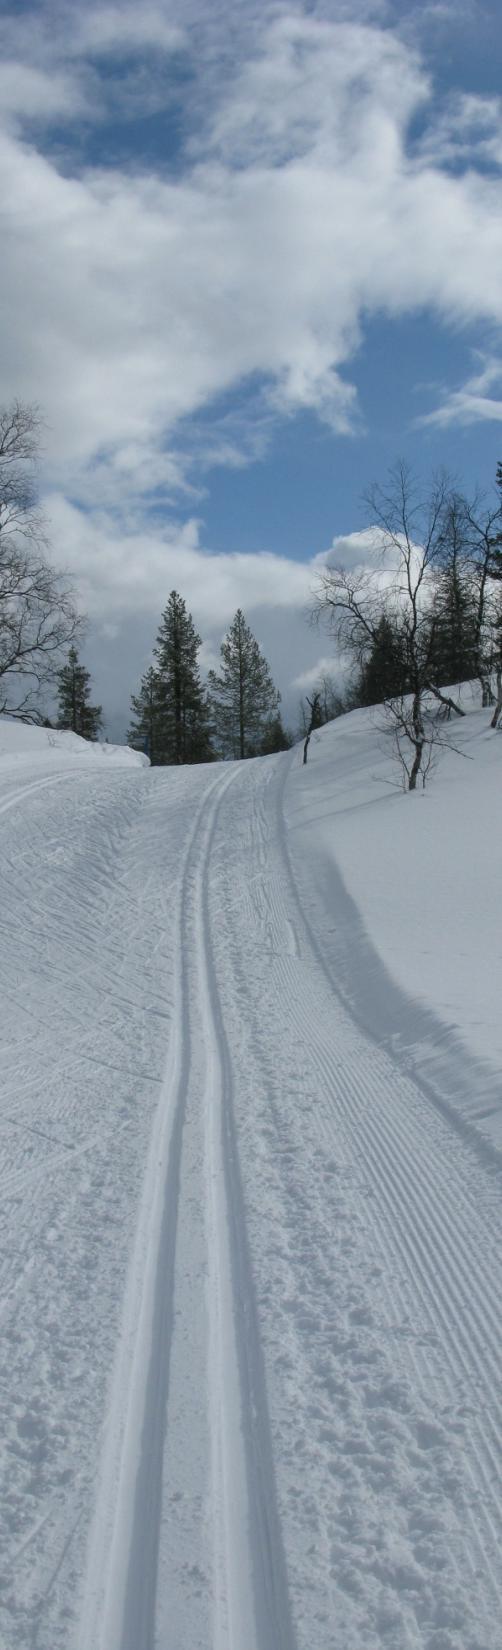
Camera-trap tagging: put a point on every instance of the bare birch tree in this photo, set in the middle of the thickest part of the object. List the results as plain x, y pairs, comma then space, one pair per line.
38, 619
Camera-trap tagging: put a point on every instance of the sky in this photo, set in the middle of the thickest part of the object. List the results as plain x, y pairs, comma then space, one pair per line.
251, 255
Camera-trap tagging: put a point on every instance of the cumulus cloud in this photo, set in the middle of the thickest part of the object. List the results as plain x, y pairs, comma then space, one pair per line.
241, 252
122, 573
138, 297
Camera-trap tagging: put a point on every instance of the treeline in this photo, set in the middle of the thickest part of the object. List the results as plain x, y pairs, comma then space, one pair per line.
427, 615
178, 719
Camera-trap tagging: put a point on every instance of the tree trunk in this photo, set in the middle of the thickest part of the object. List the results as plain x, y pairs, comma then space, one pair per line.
418, 742
498, 702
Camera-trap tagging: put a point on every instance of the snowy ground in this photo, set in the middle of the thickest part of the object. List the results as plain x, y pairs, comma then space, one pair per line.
250, 1246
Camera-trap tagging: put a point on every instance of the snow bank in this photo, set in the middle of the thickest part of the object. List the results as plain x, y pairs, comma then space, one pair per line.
411, 888
22, 743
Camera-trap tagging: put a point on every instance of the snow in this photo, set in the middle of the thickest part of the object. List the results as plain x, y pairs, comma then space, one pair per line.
24, 744
250, 1216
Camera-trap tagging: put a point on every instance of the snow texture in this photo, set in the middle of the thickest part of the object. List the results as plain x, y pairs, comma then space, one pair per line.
250, 1170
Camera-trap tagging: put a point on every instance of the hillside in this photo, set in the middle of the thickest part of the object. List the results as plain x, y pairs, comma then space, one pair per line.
250, 1177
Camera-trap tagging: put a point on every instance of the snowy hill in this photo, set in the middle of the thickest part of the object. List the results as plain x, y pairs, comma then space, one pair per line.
250, 1199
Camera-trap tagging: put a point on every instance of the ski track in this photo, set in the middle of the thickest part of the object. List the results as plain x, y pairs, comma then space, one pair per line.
226, 1580
294, 1272
416, 1183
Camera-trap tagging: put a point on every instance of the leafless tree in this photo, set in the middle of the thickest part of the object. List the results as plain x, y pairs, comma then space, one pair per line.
315, 721
484, 526
38, 619
411, 530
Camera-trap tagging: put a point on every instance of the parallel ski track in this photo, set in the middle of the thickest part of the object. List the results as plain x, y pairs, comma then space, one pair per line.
251, 1610
426, 1227
263, 1621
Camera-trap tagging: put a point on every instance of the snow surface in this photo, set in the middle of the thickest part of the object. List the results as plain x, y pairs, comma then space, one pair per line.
250, 1212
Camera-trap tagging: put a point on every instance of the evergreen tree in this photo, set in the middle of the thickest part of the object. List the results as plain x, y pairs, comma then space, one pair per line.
74, 710
496, 544
275, 737
383, 673
243, 697
452, 637
183, 711
145, 732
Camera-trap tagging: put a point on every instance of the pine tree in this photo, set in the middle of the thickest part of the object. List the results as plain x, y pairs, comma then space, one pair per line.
452, 635
243, 697
275, 737
183, 710
74, 710
383, 674
145, 732
496, 545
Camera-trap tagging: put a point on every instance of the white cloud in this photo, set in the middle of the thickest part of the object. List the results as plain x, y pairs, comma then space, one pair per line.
120, 573
137, 299
468, 129
141, 297
471, 403
122, 29
325, 665
28, 93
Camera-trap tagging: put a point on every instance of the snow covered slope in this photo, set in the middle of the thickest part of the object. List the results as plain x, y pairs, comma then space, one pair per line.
410, 888
250, 1227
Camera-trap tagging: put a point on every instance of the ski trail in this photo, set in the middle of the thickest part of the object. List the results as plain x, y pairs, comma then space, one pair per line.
187, 1486
117, 1611
251, 1610
383, 1268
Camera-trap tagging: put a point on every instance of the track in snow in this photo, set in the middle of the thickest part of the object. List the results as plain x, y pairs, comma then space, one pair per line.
386, 1283
187, 1489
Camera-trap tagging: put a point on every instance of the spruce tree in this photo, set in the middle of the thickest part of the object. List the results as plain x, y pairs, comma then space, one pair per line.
74, 709
383, 674
452, 634
496, 543
243, 697
183, 710
145, 732
275, 737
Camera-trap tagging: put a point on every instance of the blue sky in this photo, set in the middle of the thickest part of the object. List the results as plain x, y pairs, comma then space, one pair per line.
251, 254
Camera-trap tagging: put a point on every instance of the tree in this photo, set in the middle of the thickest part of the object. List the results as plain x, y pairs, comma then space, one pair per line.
145, 732
485, 538
496, 566
275, 737
315, 720
74, 690
410, 530
243, 697
184, 728
383, 669
38, 619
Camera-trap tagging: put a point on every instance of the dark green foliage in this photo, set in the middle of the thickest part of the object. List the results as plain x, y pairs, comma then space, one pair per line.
74, 709
145, 732
244, 700
171, 718
383, 674
275, 738
184, 711
496, 547
451, 640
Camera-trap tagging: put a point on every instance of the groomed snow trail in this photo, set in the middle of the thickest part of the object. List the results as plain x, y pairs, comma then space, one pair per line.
251, 1303
187, 1489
